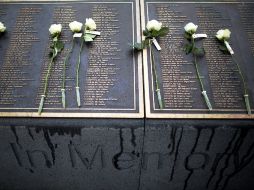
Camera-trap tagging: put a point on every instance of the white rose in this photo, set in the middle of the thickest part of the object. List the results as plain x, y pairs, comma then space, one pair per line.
55, 29
223, 34
153, 25
191, 28
90, 24
2, 27
75, 26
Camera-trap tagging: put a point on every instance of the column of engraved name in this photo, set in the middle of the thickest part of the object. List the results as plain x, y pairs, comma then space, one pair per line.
177, 81
101, 72
247, 15
225, 82
62, 15
14, 73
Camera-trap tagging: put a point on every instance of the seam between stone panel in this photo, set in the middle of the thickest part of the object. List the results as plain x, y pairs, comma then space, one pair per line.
141, 155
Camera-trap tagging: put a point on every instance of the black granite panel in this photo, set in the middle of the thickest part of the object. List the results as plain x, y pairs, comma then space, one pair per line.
179, 85
88, 157
196, 155
110, 73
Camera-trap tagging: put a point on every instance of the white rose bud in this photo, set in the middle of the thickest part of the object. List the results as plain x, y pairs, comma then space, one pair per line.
153, 25
90, 24
2, 27
191, 28
223, 34
55, 29
75, 26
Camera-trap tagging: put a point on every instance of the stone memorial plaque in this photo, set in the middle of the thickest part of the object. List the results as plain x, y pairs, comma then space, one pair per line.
110, 73
178, 82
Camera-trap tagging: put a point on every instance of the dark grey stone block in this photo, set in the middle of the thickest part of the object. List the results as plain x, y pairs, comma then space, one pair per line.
191, 155
78, 158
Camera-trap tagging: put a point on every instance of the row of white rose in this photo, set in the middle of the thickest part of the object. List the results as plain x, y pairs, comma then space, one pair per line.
223, 34
155, 29
74, 26
87, 36
151, 25
57, 28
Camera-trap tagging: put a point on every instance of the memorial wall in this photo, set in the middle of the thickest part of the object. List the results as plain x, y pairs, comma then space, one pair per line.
128, 104
110, 73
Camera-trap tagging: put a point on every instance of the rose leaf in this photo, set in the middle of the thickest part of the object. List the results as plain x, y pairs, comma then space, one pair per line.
198, 51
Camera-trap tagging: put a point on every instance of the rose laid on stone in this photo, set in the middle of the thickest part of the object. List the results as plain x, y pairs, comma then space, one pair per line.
191, 47
90, 24
88, 36
153, 30
153, 25
56, 47
223, 34
55, 29
75, 26
2, 27
190, 28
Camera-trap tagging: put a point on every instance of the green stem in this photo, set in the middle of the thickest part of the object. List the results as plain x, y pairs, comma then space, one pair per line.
206, 98
78, 63
241, 74
65, 61
64, 73
198, 74
246, 94
77, 74
156, 78
196, 67
47, 76
46, 85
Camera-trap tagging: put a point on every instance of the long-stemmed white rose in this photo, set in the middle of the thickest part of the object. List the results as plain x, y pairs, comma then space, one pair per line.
88, 36
223, 36
190, 30
75, 27
55, 31
2, 28
153, 29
